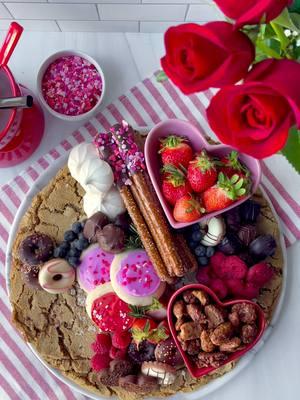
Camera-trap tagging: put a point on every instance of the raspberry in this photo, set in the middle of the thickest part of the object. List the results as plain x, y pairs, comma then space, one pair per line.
102, 344
203, 276
117, 353
259, 274
219, 287
100, 361
242, 290
232, 268
121, 340
216, 261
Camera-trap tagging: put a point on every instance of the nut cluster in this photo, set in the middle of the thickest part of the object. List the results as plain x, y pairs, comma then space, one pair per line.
209, 333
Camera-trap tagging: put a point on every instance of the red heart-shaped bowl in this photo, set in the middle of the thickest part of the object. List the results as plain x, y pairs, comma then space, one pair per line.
198, 142
191, 366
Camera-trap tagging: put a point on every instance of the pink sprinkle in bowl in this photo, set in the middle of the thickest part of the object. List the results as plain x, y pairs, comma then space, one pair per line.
43, 71
197, 142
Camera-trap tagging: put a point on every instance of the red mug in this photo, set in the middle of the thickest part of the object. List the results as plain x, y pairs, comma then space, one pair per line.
21, 130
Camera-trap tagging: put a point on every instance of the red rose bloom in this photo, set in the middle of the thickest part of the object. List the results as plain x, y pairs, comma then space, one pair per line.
247, 12
255, 117
202, 56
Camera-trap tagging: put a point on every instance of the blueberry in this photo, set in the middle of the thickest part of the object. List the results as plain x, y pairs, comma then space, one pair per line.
210, 251
60, 252
192, 244
196, 236
74, 261
77, 227
65, 245
200, 251
74, 252
195, 228
69, 236
81, 236
81, 244
202, 260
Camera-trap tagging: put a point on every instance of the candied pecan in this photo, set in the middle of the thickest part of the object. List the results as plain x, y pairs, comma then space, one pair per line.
222, 333
190, 330
178, 323
211, 359
194, 311
234, 319
246, 312
201, 296
215, 315
189, 298
206, 344
248, 333
193, 347
231, 345
179, 309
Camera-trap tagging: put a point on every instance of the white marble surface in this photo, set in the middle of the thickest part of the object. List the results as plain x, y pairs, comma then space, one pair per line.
126, 59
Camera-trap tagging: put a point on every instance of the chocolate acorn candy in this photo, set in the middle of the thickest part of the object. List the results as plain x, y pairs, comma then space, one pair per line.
249, 211
96, 222
111, 238
262, 247
167, 352
233, 219
231, 244
123, 221
247, 234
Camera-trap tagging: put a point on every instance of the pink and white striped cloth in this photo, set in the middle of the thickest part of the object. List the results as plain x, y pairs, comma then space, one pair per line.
21, 374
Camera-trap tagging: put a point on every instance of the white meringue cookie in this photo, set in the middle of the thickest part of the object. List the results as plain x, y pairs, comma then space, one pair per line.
93, 174
110, 203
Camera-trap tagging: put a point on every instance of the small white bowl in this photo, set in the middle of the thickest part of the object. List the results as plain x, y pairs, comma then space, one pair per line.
45, 64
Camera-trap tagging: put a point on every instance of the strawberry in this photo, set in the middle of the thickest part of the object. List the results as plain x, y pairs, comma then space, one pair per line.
164, 325
176, 151
147, 329
224, 193
187, 209
231, 165
202, 172
174, 184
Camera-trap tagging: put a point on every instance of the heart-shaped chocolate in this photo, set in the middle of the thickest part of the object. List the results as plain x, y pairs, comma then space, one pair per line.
198, 142
194, 370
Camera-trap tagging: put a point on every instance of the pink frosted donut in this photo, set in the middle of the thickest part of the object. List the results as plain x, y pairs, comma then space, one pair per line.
134, 278
94, 268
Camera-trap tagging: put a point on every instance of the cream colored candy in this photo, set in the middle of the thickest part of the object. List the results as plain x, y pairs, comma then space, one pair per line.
56, 276
86, 167
110, 203
215, 231
165, 374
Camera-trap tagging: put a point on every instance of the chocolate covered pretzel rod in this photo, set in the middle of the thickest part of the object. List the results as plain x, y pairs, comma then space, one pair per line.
108, 151
146, 198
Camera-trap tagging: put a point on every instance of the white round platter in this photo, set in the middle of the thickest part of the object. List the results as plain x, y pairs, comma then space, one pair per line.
40, 183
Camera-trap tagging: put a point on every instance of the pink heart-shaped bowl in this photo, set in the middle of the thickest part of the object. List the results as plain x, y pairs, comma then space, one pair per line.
198, 142
191, 366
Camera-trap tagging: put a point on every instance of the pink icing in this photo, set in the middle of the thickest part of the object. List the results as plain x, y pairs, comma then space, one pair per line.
137, 275
94, 268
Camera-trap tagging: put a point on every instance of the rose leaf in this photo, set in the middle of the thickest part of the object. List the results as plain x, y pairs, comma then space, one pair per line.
291, 151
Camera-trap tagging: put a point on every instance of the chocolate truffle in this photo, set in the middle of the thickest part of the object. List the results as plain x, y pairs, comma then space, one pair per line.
249, 211
233, 219
231, 244
93, 224
262, 247
166, 352
111, 238
247, 234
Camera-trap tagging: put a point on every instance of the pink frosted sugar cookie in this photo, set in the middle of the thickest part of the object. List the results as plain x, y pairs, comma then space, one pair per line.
134, 279
94, 268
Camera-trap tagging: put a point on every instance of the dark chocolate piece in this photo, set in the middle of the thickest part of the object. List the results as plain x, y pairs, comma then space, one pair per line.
95, 223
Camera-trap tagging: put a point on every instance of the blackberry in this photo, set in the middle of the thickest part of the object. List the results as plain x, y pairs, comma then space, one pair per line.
144, 352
